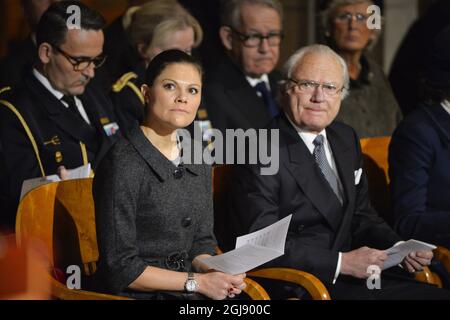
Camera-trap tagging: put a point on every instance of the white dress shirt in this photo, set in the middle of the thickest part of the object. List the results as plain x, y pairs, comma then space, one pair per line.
58, 94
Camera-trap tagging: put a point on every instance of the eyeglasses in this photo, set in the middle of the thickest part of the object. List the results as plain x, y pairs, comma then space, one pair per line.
308, 86
255, 40
82, 63
347, 16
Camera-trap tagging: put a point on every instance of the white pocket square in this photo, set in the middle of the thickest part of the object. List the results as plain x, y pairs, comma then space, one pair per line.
358, 174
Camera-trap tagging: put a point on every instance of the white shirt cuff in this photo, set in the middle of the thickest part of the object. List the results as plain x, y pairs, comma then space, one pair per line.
338, 268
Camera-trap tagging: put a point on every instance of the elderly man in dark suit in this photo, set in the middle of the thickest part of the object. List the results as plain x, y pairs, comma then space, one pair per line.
334, 233
54, 121
240, 90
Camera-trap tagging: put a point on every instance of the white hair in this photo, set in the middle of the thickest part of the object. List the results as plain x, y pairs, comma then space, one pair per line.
297, 57
231, 10
326, 18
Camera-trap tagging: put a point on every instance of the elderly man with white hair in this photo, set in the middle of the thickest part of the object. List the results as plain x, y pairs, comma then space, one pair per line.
334, 232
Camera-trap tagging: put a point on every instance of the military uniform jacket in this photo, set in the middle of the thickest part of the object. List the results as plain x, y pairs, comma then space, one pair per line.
39, 134
127, 99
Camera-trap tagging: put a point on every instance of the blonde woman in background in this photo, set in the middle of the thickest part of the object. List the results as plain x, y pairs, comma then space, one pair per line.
152, 28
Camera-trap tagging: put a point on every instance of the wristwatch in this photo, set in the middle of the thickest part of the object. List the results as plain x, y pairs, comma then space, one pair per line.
191, 284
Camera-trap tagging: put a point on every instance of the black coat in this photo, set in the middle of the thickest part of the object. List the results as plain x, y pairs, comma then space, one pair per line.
146, 213
419, 162
60, 137
230, 100
320, 227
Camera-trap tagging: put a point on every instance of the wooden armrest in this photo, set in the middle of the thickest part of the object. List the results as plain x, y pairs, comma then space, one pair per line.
255, 291
443, 255
429, 277
313, 285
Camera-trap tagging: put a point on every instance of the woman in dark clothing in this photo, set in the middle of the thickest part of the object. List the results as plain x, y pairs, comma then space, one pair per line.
154, 213
419, 156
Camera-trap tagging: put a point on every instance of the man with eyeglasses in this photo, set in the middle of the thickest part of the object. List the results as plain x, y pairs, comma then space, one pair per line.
240, 89
54, 120
334, 233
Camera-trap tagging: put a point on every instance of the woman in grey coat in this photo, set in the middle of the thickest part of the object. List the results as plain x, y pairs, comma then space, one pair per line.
154, 213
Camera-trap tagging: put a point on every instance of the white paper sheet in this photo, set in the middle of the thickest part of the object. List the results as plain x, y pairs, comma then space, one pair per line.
253, 250
77, 173
397, 253
273, 236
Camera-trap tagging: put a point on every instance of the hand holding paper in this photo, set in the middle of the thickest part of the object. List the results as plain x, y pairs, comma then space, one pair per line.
253, 250
397, 253
77, 173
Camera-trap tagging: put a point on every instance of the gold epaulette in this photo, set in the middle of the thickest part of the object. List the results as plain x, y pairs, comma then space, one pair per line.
4, 89
125, 80
122, 82
27, 131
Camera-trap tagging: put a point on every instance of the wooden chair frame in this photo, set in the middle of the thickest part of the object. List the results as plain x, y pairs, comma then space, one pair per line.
35, 221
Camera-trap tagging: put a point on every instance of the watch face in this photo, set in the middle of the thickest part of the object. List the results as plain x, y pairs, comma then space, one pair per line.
191, 285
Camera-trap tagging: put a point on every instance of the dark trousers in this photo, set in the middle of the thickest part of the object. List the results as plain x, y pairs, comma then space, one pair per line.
395, 284
348, 288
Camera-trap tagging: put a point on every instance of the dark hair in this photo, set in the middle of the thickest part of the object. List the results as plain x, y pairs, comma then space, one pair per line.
52, 27
165, 59
430, 93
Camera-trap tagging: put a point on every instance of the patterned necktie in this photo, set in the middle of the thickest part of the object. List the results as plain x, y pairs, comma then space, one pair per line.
70, 100
269, 101
322, 162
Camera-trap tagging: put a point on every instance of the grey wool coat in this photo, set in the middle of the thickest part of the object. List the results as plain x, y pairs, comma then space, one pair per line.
149, 212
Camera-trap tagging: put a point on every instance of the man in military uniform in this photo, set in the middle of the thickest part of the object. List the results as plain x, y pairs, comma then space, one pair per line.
54, 121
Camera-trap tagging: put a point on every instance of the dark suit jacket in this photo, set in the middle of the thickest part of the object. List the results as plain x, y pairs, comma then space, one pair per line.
230, 100
145, 214
419, 168
320, 226
57, 132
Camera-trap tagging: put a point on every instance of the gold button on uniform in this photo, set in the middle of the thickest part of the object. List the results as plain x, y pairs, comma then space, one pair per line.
58, 157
